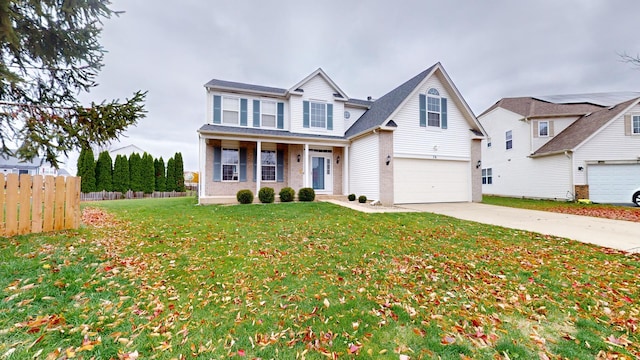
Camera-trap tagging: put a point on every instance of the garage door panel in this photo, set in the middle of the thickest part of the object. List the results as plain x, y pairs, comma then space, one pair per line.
427, 181
613, 183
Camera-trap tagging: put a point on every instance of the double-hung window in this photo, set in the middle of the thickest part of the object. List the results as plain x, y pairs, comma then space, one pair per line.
635, 125
318, 115
509, 139
230, 110
543, 128
230, 162
269, 162
268, 114
487, 176
433, 108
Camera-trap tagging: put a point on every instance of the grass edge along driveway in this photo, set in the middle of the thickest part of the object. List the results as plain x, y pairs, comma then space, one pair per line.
162, 278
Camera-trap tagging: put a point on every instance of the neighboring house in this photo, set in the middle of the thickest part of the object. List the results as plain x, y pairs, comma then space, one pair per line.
418, 143
125, 151
37, 166
563, 147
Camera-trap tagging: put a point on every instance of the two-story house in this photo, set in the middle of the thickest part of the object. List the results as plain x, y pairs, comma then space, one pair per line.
583, 146
418, 143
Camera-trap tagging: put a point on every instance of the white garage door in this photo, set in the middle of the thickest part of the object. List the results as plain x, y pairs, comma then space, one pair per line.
428, 181
613, 183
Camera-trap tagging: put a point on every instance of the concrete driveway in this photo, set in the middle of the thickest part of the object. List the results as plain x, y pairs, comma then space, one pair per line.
616, 234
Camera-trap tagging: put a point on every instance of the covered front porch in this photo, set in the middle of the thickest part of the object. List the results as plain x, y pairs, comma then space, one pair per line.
229, 163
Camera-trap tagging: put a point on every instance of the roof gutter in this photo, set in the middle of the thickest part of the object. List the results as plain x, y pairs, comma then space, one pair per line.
566, 152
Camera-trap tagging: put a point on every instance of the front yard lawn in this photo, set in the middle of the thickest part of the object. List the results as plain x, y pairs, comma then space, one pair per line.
165, 279
595, 210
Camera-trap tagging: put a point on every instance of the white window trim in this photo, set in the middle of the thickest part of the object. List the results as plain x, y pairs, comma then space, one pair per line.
222, 109
487, 176
263, 166
325, 115
222, 164
508, 136
435, 94
540, 129
275, 114
633, 117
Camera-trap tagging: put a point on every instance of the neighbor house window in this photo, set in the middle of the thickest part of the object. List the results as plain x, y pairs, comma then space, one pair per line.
318, 115
635, 125
509, 139
433, 108
488, 142
543, 128
487, 176
268, 114
268, 165
230, 110
230, 161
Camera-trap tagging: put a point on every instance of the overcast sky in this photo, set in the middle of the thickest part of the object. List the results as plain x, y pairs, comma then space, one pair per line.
491, 49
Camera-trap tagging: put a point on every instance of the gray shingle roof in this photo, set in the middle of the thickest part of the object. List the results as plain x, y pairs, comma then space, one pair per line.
530, 107
581, 129
230, 85
382, 108
14, 162
258, 131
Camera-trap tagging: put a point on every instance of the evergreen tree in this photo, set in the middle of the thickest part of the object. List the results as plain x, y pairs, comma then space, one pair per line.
50, 54
104, 172
171, 175
179, 172
135, 172
148, 174
161, 177
121, 174
87, 171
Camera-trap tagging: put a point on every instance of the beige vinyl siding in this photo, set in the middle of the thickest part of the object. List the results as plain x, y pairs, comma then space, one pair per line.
250, 99
555, 124
514, 172
318, 90
364, 167
412, 140
355, 115
609, 144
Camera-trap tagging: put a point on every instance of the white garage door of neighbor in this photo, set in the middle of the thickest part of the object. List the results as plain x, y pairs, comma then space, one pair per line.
430, 181
613, 183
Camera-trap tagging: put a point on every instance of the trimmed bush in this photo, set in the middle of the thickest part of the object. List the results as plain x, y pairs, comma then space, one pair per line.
362, 199
287, 194
306, 194
266, 195
244, 196
352, 197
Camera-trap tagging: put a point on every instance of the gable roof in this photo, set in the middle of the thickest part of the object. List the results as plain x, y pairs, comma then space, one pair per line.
530, 107
581, 129
382, 108
339, 93
7, 161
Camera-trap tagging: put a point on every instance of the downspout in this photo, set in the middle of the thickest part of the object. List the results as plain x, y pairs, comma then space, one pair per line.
572, 187
258, 165
202, 177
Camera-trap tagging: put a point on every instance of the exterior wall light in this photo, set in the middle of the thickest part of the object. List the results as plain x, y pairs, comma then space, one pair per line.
338, 160
388, 159
478, 164
298, 157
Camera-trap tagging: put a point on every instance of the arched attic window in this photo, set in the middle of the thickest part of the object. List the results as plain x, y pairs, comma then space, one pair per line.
433, 109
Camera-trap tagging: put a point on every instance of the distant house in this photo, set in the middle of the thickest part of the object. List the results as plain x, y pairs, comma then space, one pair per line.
37, 166
125, 151
418, 143
564, 146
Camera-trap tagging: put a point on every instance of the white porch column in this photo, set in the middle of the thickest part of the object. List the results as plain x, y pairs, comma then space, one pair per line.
258, 166
306, 166
345, 171
202, 176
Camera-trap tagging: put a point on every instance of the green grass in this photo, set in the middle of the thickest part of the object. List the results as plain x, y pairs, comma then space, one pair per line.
169, 279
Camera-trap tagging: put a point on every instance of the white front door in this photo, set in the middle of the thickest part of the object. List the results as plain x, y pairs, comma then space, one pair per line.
321, 173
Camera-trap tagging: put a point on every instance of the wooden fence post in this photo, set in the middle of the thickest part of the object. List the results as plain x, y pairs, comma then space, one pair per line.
49, 196
36, 205
58, 211
12, 205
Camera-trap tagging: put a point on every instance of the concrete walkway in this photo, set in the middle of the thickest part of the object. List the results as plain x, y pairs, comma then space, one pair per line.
615, 234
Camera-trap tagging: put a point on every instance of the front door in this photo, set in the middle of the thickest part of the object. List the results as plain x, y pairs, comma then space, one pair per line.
321, 173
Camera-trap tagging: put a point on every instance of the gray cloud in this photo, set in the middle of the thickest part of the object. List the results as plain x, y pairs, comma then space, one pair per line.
491, 49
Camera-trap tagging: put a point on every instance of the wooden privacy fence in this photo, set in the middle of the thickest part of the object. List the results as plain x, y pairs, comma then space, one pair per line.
32, 204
